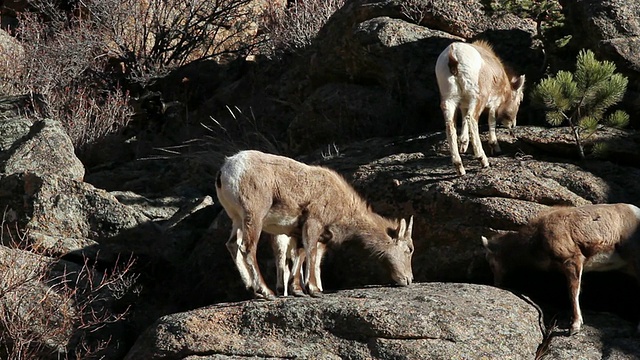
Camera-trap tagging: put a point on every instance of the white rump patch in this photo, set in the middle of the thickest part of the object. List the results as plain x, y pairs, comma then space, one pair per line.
232, 171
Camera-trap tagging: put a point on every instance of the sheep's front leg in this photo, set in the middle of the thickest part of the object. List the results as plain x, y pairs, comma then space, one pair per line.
311, 232
449, 112
322, 248
494, 148
572, 269
472, 117
296, 281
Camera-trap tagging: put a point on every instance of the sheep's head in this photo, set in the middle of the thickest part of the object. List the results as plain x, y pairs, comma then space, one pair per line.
399, 252
495, 256
508, 111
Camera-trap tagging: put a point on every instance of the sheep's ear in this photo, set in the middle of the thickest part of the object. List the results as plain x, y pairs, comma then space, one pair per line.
402, 228
485, 243
517, 82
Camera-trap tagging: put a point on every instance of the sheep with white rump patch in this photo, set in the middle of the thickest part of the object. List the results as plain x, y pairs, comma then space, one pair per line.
278, 195
472, 78
600, 237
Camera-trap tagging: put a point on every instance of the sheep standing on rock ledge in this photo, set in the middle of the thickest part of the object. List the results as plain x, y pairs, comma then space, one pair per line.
588, 238
472, 78
278, 195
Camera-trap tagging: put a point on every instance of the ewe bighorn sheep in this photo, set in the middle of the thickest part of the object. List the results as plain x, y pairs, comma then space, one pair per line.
588, 238
472, 78
278, 195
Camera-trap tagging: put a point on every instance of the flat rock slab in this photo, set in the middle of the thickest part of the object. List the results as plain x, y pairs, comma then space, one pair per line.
422, 321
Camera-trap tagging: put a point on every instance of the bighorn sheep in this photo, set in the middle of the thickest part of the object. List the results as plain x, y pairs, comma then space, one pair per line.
286, 250
472, 78
571, 239
278, 195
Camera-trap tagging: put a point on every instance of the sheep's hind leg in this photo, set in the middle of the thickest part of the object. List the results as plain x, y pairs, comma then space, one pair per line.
463, 138
472, 118
251, 230
449, 113
236, 248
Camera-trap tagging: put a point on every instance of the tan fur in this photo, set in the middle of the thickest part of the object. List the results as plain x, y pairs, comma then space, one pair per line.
570, 239
472, 78
279, 195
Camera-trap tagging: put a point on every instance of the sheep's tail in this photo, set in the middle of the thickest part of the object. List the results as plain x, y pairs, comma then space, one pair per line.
453, 62
218, 180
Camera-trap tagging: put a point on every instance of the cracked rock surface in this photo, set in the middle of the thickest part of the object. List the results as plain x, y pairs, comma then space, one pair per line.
422, 321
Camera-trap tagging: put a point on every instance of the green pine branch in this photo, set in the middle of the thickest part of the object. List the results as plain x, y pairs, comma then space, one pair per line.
581, 99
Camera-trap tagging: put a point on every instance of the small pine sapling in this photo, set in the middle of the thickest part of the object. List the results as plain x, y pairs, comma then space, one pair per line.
582, 99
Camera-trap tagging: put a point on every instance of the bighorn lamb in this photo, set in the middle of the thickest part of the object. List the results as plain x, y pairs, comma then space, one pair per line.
472, 78
287, 250
278, 195
570, 239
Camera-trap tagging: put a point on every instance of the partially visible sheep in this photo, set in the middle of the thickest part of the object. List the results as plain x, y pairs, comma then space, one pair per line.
288, 250
278, 195
571, 239
472, 78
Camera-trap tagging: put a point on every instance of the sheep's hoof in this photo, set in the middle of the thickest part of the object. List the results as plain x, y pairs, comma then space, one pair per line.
315, 293
267, 295
298, 293
464, 146
494, 149
574, 330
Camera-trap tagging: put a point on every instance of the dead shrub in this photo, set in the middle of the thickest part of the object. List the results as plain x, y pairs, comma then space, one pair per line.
52, 309
293, 28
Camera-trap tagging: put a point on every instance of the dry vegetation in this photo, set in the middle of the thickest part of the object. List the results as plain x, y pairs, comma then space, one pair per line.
91, 61
88, 64
52, 309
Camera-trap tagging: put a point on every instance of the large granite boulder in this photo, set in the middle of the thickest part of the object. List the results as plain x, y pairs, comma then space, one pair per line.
423, 321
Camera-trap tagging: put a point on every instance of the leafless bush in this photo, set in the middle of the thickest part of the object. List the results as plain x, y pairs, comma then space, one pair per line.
150, 37
52, 309
414, 10
294, 28
66, 66
85, 62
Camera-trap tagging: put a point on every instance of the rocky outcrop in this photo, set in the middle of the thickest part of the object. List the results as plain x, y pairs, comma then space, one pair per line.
380, 50
610, 28
423, 321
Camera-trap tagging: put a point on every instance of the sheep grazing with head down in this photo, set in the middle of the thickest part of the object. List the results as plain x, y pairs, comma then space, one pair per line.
572, 240
278, 195
472, 78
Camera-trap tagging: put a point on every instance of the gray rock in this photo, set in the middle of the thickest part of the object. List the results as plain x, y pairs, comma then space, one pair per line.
45, 149
423, 321
603, 336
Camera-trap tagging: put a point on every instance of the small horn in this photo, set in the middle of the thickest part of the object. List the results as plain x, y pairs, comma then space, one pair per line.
409, 228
